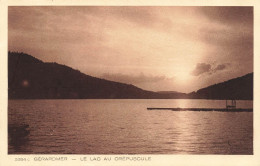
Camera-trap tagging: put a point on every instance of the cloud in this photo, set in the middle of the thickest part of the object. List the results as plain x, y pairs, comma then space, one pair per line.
201, 68
230, 15
140, 15
231, 37
131, 79
220, 67
157, 41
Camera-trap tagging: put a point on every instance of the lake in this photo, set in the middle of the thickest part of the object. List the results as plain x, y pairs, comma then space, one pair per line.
125, 126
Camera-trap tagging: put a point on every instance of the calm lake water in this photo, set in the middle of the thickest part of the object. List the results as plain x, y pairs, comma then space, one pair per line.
127, 127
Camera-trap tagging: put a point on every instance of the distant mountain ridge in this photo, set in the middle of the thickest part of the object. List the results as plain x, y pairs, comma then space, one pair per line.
30, 78
168, 92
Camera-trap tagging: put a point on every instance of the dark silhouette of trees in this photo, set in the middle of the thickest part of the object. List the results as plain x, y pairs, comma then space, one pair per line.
237, 88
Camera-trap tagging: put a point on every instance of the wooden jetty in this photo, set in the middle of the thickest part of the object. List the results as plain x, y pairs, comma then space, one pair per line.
229, 108
203, 109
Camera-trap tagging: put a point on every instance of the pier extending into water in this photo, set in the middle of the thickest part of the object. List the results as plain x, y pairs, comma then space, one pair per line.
230, 107
204, 109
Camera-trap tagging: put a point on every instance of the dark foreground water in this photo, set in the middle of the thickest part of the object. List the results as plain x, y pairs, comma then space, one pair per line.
127, 127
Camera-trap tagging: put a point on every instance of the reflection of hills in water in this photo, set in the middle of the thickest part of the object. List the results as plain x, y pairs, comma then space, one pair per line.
18, 135
30, 78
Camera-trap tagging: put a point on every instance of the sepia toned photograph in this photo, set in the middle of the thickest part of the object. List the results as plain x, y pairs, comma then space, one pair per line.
175, 80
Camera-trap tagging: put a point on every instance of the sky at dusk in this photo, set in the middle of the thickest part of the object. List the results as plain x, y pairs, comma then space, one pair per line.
155, 48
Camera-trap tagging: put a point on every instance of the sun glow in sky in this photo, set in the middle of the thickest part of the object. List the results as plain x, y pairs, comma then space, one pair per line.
155, 48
